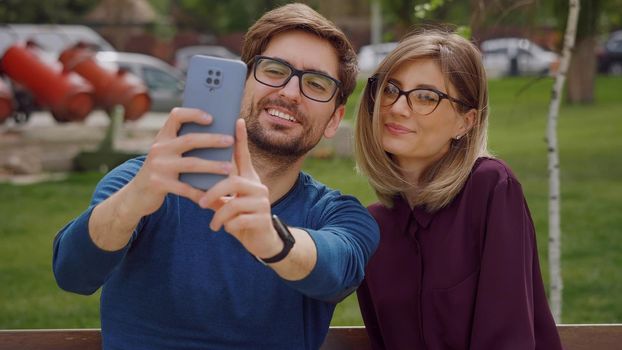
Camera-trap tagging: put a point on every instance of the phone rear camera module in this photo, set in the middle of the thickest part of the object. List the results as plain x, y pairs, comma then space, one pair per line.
213, 78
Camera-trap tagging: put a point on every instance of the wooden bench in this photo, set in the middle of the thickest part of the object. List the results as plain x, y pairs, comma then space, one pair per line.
574, 337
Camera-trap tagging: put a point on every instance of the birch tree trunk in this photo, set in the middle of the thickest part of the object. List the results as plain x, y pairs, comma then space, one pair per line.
553, 165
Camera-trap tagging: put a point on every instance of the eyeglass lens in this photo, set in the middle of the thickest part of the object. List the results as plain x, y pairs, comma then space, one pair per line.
421, 101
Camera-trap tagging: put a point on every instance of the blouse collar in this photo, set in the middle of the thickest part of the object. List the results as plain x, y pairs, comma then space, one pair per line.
404, 212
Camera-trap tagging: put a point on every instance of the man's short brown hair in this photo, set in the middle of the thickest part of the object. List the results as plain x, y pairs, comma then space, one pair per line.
302, 17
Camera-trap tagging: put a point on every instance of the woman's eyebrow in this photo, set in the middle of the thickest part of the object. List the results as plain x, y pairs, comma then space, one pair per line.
418, 86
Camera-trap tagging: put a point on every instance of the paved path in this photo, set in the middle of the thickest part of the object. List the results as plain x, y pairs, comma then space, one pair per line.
44, 145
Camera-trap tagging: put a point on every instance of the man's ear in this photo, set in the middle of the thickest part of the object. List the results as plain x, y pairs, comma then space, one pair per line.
333, 123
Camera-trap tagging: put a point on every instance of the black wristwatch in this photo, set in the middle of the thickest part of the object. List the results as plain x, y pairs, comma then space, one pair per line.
285, 236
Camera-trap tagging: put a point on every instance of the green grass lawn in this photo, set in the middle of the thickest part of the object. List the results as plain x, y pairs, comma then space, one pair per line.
591, 171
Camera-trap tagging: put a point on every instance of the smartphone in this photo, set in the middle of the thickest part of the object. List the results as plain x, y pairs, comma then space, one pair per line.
216, 86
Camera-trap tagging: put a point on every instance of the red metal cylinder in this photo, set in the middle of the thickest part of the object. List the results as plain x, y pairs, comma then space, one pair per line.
6, 101
65, 93
112, 87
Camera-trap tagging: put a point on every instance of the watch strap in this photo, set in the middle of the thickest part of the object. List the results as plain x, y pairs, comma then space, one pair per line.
288, 241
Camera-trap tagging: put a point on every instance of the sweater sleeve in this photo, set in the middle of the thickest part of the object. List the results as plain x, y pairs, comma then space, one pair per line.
79, 265
345, 238
510, 290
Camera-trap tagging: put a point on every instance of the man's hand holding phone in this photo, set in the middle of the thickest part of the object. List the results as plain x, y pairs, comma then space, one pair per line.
113, 220
160, 172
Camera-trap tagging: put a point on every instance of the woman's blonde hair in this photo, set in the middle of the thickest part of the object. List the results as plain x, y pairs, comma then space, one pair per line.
301, 17
461, 64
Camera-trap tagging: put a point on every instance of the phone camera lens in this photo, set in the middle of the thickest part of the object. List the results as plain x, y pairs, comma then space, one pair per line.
210, 72
217, 81
208, 80
217, 73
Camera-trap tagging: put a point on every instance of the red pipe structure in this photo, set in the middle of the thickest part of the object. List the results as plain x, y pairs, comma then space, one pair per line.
112, 87
6, 102
68, 96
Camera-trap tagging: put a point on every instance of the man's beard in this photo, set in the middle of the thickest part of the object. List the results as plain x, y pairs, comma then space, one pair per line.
269, 142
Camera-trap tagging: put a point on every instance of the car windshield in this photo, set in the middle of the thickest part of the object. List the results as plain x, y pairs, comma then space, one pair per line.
159, 80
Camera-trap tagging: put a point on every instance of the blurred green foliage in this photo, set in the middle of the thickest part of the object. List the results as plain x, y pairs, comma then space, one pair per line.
220, 17
40, 12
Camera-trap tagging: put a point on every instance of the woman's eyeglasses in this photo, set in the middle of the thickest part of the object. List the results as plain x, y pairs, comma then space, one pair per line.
277, 73
422, 101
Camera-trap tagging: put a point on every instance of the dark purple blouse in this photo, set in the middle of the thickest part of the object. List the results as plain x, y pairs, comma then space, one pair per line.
465, 277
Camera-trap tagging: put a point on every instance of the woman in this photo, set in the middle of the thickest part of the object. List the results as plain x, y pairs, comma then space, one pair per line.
457, 266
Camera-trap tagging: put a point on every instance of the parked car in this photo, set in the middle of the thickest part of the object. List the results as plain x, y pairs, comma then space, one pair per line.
183, 55
370, 56
165, 82
517, 56
610, 55
51, 38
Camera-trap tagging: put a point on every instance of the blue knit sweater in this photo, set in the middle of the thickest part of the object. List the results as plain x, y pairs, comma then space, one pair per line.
179, 285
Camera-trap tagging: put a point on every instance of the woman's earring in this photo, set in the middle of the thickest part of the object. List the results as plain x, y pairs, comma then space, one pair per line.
457, 137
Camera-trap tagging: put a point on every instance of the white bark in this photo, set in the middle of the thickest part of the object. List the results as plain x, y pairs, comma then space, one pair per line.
553, 165
376, 22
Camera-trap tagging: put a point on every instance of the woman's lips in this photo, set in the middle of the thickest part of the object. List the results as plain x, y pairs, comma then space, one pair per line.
397, 129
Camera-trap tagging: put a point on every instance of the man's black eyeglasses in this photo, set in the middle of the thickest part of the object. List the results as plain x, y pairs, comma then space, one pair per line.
422, 101
277, 73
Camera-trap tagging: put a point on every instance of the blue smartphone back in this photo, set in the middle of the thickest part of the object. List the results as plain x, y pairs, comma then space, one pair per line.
216, 86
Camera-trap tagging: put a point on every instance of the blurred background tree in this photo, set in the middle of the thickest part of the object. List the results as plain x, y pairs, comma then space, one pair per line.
596, 17
582, 69
35, 11
221, 17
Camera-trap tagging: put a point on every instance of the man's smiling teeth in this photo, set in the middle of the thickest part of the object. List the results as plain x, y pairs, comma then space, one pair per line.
279, 114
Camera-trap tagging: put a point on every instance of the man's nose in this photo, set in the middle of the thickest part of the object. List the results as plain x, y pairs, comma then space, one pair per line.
291, 90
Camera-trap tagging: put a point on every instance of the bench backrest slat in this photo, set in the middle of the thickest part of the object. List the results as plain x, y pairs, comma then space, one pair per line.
574, 337
50, 339
591, 336
346, 338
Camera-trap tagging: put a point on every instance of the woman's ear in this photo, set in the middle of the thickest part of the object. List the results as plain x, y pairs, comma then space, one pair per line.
468, 121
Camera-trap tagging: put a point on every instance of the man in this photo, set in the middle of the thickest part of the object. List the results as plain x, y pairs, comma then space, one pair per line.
183, 268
